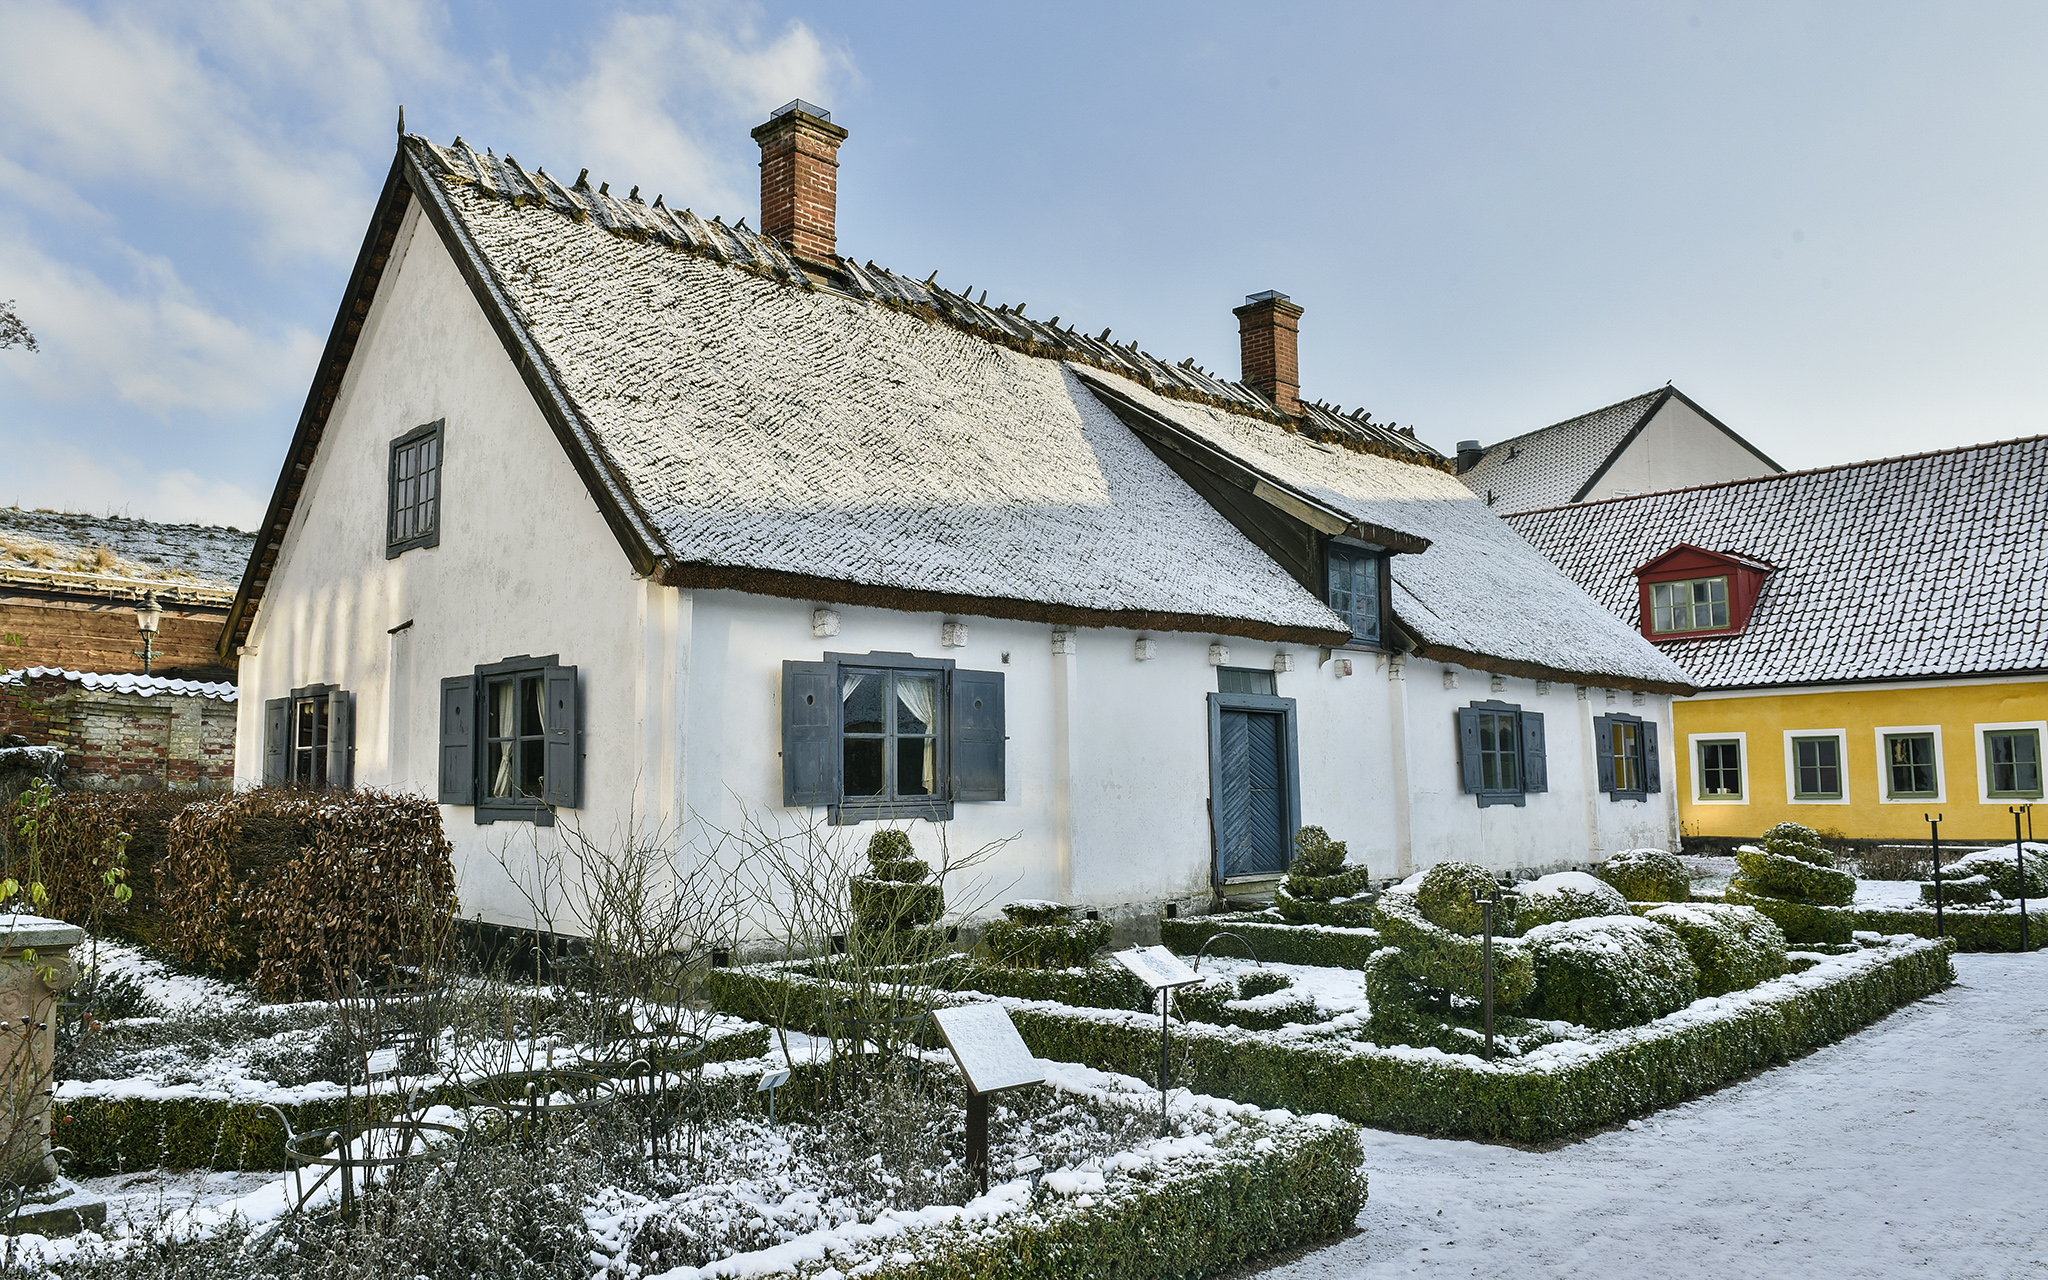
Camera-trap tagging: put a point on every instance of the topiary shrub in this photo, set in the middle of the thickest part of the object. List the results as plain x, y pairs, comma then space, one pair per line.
1315, 854
1968, 890
895, 902
1444, 897
1647, 875
1779, 875
1790, 840
1043, 935
2001, 872
1428, 968
1318, 883
1733, 947
1565, 895
1606, 972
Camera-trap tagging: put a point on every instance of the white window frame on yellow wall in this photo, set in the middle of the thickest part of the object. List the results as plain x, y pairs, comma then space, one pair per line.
1693, 743
1884, 766
1984, 795
1841, 737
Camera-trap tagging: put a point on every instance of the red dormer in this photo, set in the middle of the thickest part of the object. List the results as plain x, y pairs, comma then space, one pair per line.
1690, 592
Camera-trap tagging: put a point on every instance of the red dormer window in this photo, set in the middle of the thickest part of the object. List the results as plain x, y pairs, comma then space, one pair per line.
1689, 593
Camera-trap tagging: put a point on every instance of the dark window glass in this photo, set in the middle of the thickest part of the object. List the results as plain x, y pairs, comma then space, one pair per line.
1500, 752
1721, 769
2015, 759
1817, 768
1355, 590
516, 737
889, 717
1909, 761
1245, 680
309, 742
416, 488
1627, 747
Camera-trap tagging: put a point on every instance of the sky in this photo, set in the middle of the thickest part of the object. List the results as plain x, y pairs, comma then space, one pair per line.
1822, 222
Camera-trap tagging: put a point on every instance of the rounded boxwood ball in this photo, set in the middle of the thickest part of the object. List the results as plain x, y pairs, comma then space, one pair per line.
1565, 895
1445, 896
1611, 971
1647, 875
1734, 947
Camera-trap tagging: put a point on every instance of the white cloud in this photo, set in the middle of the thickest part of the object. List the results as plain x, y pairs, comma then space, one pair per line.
68, 479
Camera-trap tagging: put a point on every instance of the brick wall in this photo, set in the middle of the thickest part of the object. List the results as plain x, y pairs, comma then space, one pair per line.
122, 739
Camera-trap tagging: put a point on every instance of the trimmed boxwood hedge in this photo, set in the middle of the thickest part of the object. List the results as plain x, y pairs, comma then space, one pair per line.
1275, 940
109, 1135
1970, 928
1307, 1185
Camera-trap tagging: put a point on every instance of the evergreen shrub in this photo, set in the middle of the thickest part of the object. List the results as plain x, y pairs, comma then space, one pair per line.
1444, 897
1771, 874
1734, 948
1606, 972
1043, 935
1565, 895
895, 902
1647, 875
1968, 890
1274, 940
2001, 871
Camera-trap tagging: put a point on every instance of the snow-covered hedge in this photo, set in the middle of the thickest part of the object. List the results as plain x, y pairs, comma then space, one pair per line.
1609, 971
1733, 947
1782, 875
1994, 926
1565, 895
1275, 940
1647, 875
2000, 870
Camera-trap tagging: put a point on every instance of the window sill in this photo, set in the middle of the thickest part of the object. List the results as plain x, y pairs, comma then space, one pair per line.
852, 814
1630, 795
393, 550
1487, 799
539, 815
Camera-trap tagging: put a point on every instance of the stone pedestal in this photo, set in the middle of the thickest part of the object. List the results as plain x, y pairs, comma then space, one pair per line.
35, 966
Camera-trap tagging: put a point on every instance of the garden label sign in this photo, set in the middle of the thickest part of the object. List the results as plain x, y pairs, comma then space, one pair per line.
993, 1057
1161, 971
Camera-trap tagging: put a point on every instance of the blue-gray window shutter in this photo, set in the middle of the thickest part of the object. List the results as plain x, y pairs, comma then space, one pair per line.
341, 739
1468, 749
1535, 765
1652, 771
277, 728
458, 740
978, 734
564, 766
810, 733
1603, 750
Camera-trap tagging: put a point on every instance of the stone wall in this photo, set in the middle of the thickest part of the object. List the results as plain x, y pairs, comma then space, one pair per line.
115, 739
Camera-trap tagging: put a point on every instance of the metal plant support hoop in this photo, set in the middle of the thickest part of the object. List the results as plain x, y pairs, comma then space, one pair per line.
385, 1144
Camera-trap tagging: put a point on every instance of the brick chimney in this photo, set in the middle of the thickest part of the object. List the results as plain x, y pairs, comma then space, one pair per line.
800, 178
1268, 327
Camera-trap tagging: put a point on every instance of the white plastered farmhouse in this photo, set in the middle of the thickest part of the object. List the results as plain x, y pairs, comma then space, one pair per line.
601, 514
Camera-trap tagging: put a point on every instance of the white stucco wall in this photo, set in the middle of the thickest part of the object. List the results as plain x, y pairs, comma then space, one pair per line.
1108, 756
1675, 450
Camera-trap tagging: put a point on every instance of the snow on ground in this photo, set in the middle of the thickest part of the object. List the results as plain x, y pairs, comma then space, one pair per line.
170, 990
1918, 1147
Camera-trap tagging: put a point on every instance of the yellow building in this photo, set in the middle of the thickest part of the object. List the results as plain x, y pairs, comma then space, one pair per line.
1870, 641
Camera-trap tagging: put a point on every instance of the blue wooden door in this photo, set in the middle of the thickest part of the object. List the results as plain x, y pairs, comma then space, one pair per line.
1251, 801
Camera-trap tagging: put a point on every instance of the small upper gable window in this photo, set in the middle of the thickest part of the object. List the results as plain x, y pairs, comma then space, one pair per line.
1354, 589
414, 510
1698, 604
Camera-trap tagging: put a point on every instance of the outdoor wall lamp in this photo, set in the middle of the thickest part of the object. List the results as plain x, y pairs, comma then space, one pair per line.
147, 615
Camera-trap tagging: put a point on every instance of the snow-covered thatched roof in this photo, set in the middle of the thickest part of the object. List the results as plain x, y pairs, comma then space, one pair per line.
750, 421
1901, 568
61, 550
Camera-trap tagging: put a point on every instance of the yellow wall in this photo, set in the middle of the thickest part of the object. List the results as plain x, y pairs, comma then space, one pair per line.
1956, 707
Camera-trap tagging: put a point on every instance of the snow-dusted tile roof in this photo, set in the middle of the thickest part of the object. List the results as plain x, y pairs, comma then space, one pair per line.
768, 427
1550, 467
198, 560
142, 686
1479, 588
1901, 568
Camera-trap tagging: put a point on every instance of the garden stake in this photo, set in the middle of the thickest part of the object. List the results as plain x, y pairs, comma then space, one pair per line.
1934, 824
1486, 956
2019, 857
1165, 1007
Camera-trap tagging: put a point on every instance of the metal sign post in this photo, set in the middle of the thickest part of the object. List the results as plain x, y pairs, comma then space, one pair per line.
992, 1057
1934, 824
1161, 971
1486, 906
770, 1082
2019, 857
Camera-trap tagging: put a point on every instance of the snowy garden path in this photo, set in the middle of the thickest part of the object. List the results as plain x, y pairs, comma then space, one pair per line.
1918, 1147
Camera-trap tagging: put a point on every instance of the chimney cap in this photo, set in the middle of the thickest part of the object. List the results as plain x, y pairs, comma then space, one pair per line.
1463, 445
806, 108
1266, 295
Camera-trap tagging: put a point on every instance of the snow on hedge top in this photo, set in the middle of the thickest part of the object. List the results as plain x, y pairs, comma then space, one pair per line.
128, 682
201, 558
765, 426
1480, 588
1955, 536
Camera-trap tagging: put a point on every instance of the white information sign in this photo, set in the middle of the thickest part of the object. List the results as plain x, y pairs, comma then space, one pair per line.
1157, 967
986, 1045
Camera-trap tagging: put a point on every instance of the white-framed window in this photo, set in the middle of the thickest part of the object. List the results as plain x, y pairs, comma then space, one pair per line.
2009, 761
1697, 604
1909, 767
1720, 768
1817, 766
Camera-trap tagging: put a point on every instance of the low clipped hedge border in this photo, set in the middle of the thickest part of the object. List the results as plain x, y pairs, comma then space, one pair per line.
1276, 940
1970, 928
112, 1135
1308, 1184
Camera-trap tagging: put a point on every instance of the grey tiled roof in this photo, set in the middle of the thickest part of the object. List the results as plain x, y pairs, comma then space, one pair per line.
1549, 467
1902, 568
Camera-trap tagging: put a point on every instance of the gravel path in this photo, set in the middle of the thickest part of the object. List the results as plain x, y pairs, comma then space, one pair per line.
1918, 1147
